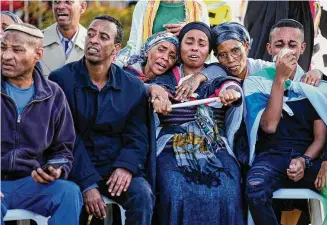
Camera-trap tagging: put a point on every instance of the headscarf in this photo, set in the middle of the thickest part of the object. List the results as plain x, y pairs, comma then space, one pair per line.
197, 26
150, 43
13, 16
230, 31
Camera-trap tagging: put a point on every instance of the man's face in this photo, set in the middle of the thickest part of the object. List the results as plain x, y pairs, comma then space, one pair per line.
100, 42
68, 13
18, 58
286, 37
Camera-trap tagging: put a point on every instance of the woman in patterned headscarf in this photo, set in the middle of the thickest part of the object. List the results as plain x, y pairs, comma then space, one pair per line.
157, 56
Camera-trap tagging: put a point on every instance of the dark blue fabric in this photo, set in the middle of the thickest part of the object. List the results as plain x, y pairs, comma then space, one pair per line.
293, 132
183, 202
268, 174
44, 130
138, 201
61, 199
111, 123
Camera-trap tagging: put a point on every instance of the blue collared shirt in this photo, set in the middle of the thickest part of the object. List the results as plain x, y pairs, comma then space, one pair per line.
71, 42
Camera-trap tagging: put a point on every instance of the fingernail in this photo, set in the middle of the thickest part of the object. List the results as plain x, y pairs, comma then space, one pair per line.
110, 190
118, 194
112, 194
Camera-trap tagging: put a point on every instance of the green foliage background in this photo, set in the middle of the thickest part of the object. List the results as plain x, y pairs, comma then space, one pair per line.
94, 9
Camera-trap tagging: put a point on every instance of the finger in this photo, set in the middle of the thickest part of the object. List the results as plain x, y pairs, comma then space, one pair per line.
113, 182
97, 211
316, 82
323, 182
38, 178
121, 187
44, 175
185, 94
53, 172
102, 207
175, 29
117, 185
171, 25
180, 92
128, 182
91, 208
87, 208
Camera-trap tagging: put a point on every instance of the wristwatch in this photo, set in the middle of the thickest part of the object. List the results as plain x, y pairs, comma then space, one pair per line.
308, 161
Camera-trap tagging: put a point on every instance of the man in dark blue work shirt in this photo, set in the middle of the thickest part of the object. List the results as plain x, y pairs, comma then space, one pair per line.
109, 111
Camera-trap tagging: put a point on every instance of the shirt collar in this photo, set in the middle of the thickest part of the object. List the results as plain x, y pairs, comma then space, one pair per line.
62, 38
114, 75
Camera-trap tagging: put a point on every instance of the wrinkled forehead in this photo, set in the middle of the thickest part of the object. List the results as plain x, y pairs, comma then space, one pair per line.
195, 35
286, 34
14, 38
103, 26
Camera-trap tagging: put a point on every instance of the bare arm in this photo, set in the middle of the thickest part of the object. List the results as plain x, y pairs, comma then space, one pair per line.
320, 133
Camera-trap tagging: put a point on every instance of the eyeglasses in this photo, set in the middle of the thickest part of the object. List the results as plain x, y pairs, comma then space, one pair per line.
235, 53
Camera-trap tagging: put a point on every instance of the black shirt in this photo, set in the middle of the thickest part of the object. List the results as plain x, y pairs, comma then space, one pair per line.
293, 132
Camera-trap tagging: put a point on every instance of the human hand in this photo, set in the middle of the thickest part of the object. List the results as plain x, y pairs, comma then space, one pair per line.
229, 96
162, 106
285, 66
157, 92
312, 77
94, 203
175, 28
320, 182
188, 86
40, 176
1, 195
296, 168
119, 181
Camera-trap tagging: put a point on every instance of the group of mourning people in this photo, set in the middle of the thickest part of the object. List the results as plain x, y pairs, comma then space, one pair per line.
126, 133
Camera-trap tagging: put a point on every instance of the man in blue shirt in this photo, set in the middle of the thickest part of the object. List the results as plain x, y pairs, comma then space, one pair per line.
109, 108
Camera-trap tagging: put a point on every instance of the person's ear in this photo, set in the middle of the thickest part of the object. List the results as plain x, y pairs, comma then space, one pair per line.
303, 46
39, 53
269, 50
83, 7
246, 47
117, 48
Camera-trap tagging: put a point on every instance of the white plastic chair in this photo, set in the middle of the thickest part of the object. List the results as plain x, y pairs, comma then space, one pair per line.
317, 203
108, 201
22, 214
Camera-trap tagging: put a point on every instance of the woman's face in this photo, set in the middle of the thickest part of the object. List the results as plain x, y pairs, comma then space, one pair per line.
233, 55
5, 22
194, 48
161, 58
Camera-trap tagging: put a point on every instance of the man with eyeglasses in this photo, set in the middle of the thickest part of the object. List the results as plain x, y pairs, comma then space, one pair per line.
64, 40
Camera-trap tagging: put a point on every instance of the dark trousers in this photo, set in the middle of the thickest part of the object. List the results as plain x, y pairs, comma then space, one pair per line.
268, 174
138, 202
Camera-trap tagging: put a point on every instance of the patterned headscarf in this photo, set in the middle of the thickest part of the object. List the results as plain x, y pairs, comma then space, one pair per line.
230, 31
13, 16
150, 43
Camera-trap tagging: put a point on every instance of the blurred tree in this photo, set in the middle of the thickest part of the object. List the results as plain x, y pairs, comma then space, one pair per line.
43, 10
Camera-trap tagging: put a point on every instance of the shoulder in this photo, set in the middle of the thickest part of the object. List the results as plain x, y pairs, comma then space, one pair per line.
65, 76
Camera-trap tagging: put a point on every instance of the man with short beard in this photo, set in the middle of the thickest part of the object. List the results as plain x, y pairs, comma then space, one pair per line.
36, 126
64, 40
109, 110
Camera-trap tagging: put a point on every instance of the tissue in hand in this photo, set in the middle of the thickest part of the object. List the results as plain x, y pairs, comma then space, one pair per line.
282, 52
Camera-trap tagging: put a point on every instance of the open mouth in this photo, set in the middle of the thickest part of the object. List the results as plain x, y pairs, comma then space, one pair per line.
92, 50
161, 65
194, 57
62, 16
